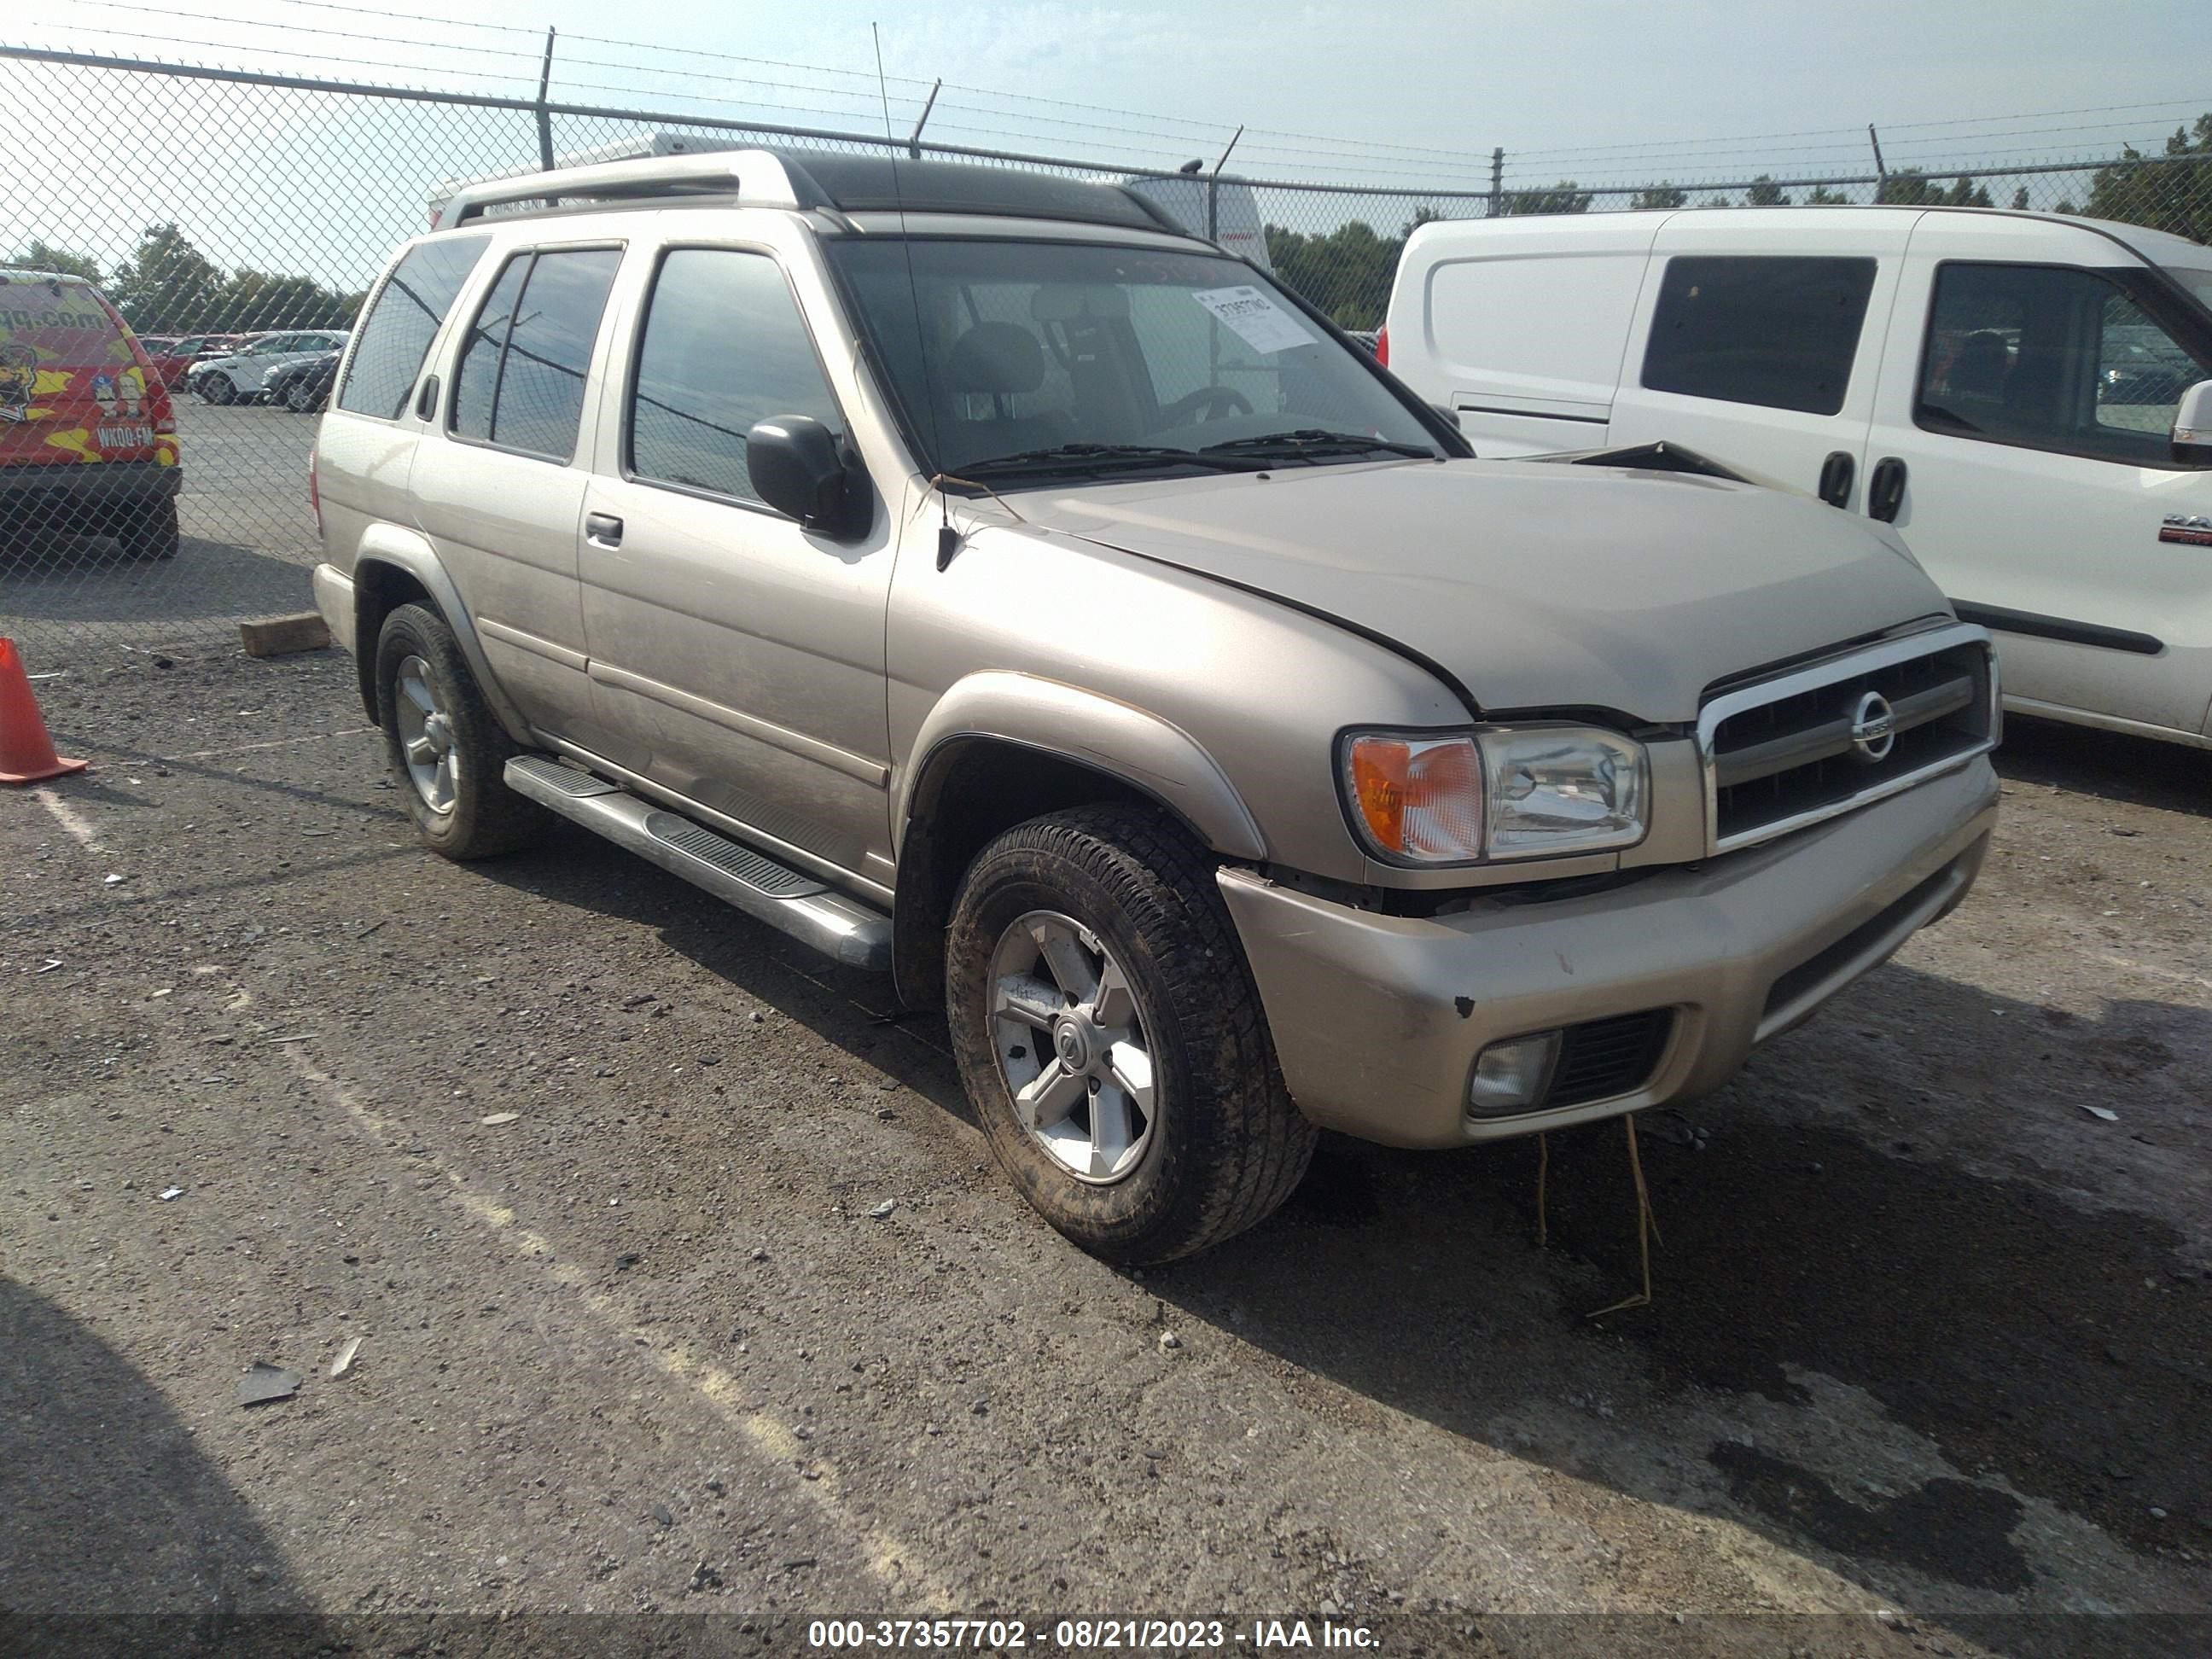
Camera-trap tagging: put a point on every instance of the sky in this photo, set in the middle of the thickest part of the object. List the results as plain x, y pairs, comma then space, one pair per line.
1407, 92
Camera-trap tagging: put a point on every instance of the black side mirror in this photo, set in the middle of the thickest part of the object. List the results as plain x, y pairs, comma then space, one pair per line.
798, 467
1447, 414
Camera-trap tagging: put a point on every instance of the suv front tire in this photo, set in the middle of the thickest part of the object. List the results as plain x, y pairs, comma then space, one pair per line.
1110, 1033
448, 751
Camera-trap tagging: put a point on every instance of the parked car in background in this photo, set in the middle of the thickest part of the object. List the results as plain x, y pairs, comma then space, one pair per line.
243, 375
2027, 397
302, 386
88, 437
175, 358
975, 576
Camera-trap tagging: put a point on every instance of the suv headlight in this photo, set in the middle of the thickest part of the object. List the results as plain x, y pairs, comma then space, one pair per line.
1500, 793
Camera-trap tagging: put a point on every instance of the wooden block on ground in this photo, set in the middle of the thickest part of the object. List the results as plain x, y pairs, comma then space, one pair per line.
276, 636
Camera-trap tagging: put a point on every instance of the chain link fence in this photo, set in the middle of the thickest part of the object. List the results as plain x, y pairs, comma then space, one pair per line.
153, 496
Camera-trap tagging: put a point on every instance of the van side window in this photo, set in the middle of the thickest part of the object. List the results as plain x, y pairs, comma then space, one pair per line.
521, 381
724, 346
1777, 333
2052, 357
396, 335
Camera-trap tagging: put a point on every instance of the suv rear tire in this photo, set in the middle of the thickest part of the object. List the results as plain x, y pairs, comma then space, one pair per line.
147, 530
448, 752
1146, 1120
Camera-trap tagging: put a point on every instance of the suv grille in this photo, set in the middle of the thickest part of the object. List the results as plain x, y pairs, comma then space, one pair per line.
1819, 741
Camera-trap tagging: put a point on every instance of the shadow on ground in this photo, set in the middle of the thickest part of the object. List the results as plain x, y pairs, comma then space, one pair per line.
2062, 1351
106, 1507
2110, 764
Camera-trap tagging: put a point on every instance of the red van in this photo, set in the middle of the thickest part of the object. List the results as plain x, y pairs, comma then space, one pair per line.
88, 437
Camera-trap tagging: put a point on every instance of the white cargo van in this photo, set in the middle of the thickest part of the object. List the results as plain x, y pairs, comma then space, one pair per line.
2027, 397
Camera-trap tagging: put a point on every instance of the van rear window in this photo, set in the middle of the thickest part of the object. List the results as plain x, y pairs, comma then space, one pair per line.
396, 334
1780, 332
64, 322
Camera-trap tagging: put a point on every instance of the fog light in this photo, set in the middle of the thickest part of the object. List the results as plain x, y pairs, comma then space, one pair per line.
1511, 1076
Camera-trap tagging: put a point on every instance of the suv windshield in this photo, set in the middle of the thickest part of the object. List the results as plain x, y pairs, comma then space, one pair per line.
1028, 361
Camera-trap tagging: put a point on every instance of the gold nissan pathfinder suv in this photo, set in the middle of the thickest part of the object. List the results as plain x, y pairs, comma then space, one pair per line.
975, 575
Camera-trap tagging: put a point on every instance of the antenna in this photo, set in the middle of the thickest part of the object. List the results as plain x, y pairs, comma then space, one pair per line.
948, 538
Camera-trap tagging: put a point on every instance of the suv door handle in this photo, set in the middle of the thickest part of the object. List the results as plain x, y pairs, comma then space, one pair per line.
1886, 489
603, 529
1835, 485
426, 401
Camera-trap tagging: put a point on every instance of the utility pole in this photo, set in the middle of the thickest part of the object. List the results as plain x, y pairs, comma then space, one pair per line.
1496, 180
1874, 139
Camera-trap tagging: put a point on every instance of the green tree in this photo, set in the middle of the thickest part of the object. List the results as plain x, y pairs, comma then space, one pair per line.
1764, 193
1346, 273
1823, 197
2019, 197
38, 255
1562, 198
1660, 196
1910, 187
167, 286
254, 300
2173, 195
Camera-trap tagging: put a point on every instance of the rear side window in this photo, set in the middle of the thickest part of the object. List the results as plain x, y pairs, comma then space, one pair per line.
396, 335
520, 383
725, 346
1777, 333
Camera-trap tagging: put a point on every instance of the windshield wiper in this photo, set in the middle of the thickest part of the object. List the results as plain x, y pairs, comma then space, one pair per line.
1317, 440
1090, 457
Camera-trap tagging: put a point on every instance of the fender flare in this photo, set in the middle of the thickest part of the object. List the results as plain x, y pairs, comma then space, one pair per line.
1148, 753
407, 551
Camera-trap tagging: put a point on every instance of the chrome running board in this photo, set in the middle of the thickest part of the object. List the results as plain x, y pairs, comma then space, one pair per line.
787, 900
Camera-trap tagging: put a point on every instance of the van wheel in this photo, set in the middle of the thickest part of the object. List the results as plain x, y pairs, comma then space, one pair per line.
1111, 1038
147, 530
217, 389
447, 751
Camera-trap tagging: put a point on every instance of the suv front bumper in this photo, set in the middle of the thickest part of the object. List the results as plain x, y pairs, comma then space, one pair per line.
1377, 1019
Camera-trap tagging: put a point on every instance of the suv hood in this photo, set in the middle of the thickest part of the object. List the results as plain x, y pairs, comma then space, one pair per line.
1537, 585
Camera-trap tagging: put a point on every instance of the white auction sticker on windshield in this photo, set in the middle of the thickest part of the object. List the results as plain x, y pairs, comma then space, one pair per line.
1254, 318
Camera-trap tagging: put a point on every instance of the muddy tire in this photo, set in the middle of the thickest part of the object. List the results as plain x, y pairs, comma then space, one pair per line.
147, 530
1110, 1036
448, 753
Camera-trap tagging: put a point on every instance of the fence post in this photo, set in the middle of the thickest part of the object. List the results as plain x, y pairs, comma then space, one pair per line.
1497, 178
545, 115
1213, 188
914, 139
1881, 172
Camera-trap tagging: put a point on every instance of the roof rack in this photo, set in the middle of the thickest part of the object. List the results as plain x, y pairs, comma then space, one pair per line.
757, 177
820, 180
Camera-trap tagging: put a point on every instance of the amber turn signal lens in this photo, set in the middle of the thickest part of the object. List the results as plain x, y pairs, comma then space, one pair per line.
1419, 798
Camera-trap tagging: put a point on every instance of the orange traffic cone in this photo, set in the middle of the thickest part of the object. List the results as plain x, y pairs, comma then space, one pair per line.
27, 753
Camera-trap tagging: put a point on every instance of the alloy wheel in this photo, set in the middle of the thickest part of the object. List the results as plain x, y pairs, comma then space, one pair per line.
426, 734
1072, 1048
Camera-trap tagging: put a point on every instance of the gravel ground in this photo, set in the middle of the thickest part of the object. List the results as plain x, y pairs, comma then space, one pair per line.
1930, 1339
